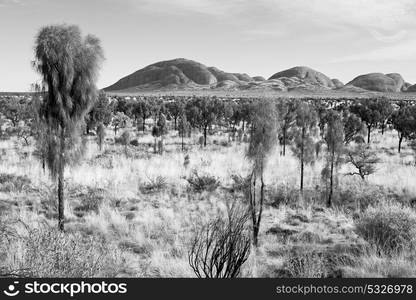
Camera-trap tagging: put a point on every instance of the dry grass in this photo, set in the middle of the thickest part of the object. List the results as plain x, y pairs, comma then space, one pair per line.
139, 209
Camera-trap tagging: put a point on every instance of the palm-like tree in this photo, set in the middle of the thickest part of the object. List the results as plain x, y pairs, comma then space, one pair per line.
68, 64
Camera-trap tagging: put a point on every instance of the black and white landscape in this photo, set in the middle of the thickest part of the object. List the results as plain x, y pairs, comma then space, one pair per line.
208, 138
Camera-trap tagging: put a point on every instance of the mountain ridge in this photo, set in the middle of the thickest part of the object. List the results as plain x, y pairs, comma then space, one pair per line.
185, 74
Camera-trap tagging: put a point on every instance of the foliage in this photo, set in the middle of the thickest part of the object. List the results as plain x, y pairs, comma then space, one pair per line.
263, 137
68, 64
334, 138
100, 135
153, 185
389, 227
205, 182
304, 133
64, 255
353, 127
372, 112
404, 121
202, 113
363, 159
120, 120
101, 112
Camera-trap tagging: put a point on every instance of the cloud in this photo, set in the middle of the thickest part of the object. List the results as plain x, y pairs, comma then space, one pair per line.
384, 20
182, 7
389, 38
399, 52
5, 3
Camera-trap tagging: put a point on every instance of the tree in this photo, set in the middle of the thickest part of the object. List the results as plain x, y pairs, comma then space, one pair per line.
305, 130
101, 112
15, 110
100, 135
175, 109
362, 158
68, 64
386, 110
126, 106
143, 108
125, 140
263, 137
334, 138
202, 113
353, 127
404, 122
287, 113
372, 112
183, 127
120, 120
159, 131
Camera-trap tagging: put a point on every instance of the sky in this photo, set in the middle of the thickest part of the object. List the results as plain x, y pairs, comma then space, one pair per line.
342, 39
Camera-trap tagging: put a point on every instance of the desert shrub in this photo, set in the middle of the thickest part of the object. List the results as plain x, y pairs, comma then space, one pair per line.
240, 184
47, 252
13, 183
373, 265
134, 142
90, 199
287, 194
360, 195
221, 247
389, 227
282, 194
153, 185
309, 264
205, 182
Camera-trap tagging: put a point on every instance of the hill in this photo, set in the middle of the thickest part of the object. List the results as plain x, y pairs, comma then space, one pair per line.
178, 73
306, 75
379, 82
184, 74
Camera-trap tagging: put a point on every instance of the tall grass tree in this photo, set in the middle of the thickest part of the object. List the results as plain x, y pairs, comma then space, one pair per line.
68, 63
263, 138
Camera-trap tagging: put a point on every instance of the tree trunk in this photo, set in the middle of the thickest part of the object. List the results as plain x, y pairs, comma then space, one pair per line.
368, 134
155, 146
261, 204
205, 136
43, 163
175, 120
331, 178
182, 134
144, 123
284, 141
61, 214
400, 142
302, 159
253, 207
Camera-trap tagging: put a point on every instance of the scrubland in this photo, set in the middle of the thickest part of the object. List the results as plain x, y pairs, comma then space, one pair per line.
133, 213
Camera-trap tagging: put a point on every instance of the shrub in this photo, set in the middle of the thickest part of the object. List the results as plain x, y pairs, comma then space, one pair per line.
13, 183
221, 247
204, 182
309, 264
153, 185
134, 143
389, 227
90, 199
240, 184
47, 252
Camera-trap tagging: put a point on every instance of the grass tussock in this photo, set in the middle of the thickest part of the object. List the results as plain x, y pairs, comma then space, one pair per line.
47, 252
389, 227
